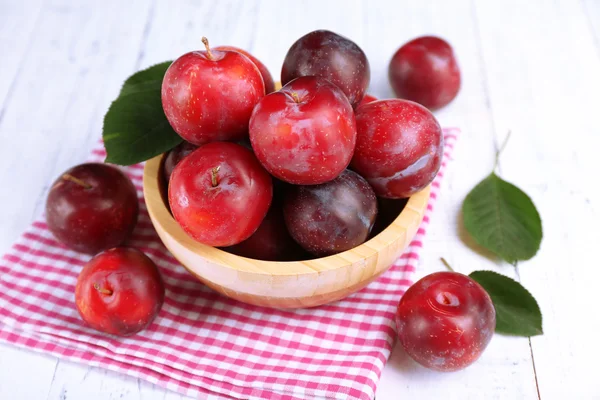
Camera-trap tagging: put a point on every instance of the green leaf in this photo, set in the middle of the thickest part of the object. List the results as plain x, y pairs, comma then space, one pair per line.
148, 79
503, 219
135, 126
517, 312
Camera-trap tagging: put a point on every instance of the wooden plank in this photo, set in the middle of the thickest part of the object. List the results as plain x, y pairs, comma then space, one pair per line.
24, 374
276, 31
507, 358
533, 78
591, 9
505, 369
74, 67
178, 27
543, 74
185, 23
18, 20
74, 381
270, 42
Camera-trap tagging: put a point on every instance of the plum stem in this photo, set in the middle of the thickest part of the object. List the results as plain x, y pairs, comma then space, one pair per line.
209, 53
296, 97
107, 292
447, 264
71, 178
501, 149
445, 299
213, 177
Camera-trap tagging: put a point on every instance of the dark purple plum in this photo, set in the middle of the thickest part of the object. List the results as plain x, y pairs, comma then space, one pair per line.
271, 241
331, 56
92, 207
180, 152
332, 217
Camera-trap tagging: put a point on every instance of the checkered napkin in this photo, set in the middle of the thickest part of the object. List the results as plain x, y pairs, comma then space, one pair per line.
203, 344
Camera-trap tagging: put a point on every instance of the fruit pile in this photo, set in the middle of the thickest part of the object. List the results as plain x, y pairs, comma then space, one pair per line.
312, 169
298, 172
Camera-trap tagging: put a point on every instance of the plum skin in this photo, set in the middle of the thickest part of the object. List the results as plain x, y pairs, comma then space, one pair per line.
445, 321
399, 147
367, 99
264, 71
331, 56
332, 217
271, 241
92, 207
174, 156
209, 97
425, 70
305, 133
119, 291
220, 194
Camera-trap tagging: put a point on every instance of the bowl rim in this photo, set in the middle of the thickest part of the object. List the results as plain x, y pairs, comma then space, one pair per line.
162, 219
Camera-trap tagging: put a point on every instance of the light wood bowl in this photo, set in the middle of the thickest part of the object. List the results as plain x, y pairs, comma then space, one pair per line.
294, 284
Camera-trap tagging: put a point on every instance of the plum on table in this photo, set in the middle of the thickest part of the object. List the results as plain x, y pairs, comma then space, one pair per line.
445, 321
92, 207
425, 70
119, 291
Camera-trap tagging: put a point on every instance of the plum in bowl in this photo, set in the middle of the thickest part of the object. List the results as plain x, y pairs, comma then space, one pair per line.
289, 284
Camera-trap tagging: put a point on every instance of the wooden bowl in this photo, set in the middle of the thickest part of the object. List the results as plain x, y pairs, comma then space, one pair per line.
294, 284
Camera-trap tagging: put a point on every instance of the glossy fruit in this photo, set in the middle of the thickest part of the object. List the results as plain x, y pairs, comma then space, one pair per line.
331, 56
425, 70
304, 133
220, 194
175, 156
209, 95
445, 321
264, 72
367, 99
92, 207
399, 147
119, 292
271, 241
333, 217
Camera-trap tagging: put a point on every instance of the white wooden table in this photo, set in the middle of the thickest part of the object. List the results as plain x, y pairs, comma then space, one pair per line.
532, 67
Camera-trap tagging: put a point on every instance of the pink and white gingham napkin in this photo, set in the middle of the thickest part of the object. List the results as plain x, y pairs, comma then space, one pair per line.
203, 344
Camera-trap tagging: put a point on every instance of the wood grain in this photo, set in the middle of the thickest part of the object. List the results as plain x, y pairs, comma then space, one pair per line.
552, 155
282, 284
527, 66
54, 122
505, 369
22, 17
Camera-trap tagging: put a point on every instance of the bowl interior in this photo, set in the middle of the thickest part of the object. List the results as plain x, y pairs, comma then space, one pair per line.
394, 236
